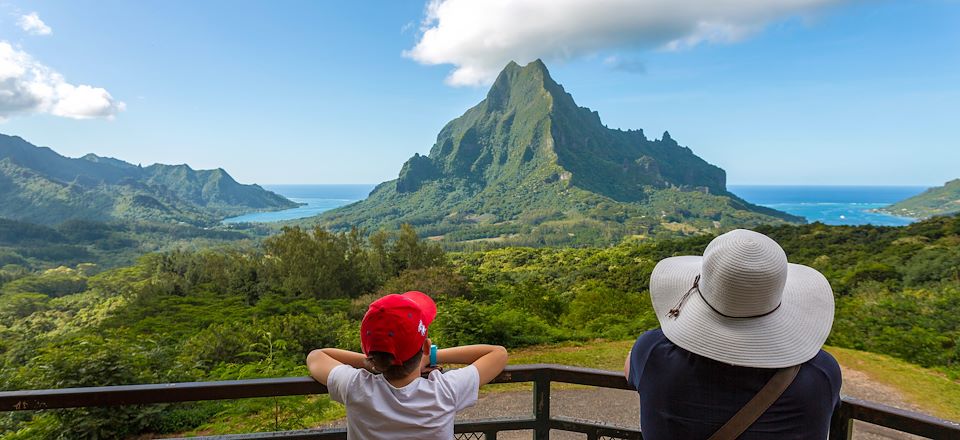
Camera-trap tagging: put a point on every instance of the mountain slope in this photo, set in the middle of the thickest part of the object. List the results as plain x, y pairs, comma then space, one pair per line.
528, 166
38, 185
934, 201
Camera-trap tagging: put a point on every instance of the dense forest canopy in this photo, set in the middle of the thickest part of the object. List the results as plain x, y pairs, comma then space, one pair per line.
256, 310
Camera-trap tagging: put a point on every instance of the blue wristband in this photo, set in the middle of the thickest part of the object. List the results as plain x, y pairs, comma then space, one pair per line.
433, 355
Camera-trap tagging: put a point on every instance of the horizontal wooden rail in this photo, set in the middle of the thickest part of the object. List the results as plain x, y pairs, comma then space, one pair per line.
541, 374
899, 419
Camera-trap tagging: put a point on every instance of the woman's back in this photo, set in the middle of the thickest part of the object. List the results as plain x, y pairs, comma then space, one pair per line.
685, 395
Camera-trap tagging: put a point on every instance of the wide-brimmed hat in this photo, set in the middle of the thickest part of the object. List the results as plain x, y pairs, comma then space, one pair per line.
741, 303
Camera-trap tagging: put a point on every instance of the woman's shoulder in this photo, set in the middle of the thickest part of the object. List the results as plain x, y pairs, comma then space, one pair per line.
826, 364
651, 337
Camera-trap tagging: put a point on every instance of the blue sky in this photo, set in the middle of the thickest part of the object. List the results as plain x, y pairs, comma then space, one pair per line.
827, 92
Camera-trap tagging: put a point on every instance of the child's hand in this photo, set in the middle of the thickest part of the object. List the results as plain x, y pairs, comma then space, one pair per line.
426, 370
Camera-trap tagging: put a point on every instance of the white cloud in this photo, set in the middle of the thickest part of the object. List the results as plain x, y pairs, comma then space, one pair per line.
27, 86
32, 24
479, 37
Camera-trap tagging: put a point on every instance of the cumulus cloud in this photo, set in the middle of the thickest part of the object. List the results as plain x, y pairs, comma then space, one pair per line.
32, 24
480, 36
27, 86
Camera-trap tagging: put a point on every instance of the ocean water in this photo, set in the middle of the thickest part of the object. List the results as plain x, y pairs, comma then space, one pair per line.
315, 199
832, 205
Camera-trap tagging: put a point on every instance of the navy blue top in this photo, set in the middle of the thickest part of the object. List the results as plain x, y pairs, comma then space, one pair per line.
685, 395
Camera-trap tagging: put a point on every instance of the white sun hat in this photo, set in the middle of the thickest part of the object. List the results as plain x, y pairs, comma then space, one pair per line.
741, 303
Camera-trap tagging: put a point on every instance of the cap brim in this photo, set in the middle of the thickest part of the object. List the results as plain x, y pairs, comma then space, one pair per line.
428, 308
791, 335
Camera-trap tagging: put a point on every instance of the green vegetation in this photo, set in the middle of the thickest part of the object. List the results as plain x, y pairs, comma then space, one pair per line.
934, 201
528, 167
27, 247
257, 311
37, 185
195, 315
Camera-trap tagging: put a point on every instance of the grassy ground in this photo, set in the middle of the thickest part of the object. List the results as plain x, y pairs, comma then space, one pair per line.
929, 390
604, 355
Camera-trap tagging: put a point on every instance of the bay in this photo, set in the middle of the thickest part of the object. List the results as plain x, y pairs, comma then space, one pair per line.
832, 205
315, 199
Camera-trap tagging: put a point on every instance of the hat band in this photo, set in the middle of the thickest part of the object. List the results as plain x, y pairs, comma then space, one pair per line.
736, 317
675, 312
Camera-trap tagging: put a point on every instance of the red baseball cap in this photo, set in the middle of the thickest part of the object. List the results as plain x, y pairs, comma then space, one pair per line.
397, 324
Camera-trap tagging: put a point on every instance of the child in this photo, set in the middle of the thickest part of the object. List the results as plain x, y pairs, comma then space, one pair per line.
399, 403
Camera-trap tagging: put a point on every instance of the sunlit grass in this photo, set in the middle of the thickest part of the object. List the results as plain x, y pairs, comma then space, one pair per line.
600, 354
929, 390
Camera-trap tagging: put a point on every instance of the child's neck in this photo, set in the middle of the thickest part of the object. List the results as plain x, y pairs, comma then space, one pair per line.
406, 380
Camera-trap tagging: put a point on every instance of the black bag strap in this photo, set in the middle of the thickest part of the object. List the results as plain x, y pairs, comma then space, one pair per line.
757, 405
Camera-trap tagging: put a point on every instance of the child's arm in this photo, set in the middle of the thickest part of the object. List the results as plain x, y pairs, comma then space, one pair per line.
488, 359
322, 361
626, 365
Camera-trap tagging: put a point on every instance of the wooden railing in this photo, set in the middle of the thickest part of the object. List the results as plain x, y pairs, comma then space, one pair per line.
541, 421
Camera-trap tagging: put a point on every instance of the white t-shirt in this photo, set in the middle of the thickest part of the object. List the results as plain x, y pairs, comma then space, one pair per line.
424, 409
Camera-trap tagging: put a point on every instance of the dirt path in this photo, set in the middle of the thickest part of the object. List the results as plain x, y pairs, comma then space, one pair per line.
859, 385
618, 407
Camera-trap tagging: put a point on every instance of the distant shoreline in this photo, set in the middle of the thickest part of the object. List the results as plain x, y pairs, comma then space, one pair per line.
831, 204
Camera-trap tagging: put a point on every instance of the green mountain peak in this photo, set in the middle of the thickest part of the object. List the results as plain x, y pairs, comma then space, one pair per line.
529, 148
516, 85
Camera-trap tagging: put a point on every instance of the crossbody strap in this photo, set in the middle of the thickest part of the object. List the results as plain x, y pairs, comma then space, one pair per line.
757, 405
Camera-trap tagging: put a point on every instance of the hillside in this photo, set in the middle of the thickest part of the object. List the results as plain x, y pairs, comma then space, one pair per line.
38, 185
26, 247
527, 165
934, 201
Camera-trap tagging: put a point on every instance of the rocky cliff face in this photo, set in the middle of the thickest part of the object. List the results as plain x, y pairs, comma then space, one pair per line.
528, 153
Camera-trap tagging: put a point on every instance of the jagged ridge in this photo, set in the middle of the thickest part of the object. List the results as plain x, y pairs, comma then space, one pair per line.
528, 158
38, 185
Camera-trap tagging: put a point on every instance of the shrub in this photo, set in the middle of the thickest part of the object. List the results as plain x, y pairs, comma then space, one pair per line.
604, 312
434, 281
460, 322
